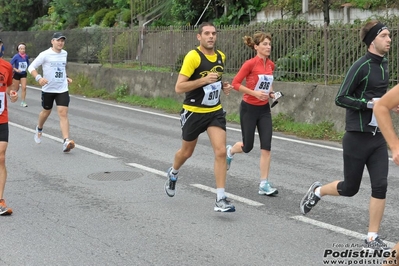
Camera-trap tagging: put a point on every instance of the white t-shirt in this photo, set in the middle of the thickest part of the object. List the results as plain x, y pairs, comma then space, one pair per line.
54, 70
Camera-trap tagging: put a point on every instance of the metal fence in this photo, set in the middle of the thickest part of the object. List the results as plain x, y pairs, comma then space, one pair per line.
301, 52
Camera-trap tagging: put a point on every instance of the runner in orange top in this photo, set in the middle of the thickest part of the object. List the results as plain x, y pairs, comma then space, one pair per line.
5, 91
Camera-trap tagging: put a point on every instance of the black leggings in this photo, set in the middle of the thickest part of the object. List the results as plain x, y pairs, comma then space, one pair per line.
252, 117
364, 149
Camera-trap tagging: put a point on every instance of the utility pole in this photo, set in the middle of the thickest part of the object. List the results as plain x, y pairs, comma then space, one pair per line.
326, 11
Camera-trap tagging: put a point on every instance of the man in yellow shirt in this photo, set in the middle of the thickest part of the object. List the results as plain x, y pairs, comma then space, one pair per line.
200, 78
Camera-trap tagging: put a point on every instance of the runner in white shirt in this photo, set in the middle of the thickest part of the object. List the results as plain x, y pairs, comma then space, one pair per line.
54, 84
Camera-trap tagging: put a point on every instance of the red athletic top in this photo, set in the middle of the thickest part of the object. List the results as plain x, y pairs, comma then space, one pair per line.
251, 70
5, 81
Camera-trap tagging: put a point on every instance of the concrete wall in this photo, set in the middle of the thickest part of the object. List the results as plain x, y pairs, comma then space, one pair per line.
343, 15
305, 102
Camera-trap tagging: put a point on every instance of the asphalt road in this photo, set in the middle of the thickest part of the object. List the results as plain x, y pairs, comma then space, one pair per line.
104, 202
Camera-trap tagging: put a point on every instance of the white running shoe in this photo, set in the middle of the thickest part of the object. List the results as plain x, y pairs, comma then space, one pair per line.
68, 145
38, 136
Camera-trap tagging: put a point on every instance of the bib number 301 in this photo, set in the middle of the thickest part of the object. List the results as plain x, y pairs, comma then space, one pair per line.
59, 74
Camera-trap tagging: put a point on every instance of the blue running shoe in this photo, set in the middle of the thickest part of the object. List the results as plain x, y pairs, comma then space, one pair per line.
267, 189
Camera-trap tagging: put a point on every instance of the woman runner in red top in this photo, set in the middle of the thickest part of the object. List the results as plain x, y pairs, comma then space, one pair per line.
255, 107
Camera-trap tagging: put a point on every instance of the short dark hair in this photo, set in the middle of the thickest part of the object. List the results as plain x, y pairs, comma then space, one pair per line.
203, 24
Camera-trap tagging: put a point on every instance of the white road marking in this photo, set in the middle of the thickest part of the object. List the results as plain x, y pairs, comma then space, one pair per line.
99, 153
229, 195
148, 169
336, 229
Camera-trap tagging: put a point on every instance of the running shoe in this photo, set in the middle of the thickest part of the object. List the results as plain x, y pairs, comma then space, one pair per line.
170, 184
3, 208
38, 135
228, 158
310, 199
223, 205
23, 104
375, 244
267, 189
68, 145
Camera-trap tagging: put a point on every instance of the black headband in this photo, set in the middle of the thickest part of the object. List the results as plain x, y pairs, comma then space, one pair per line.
373, 32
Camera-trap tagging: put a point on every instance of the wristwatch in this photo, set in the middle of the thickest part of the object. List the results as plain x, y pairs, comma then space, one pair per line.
370, 104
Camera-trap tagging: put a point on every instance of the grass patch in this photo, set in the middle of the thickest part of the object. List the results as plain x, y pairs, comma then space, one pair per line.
322, 131
137, 66
169, 105
81, 85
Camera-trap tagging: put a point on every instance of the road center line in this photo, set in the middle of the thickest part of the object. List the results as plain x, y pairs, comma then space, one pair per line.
148, 169
99, 153
336, 229
206, 188
229, 195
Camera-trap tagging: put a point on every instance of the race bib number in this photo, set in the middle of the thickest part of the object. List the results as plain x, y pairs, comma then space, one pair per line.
212, 93
22, 66
373, 121
264, 83
2, 101
58, 71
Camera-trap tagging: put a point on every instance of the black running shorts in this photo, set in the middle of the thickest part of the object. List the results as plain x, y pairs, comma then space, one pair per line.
193, 124
61, 99
4, 132
19, 76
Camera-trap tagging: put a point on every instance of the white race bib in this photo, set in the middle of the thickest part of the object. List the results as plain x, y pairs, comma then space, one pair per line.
58, 71
2, 101
264, 83
22, 66
212, 93
373, 121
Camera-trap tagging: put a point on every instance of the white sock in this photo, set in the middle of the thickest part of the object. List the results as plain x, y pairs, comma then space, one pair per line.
229, 153
317, 192
263, 182
371, 236
174, 171
220, 194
